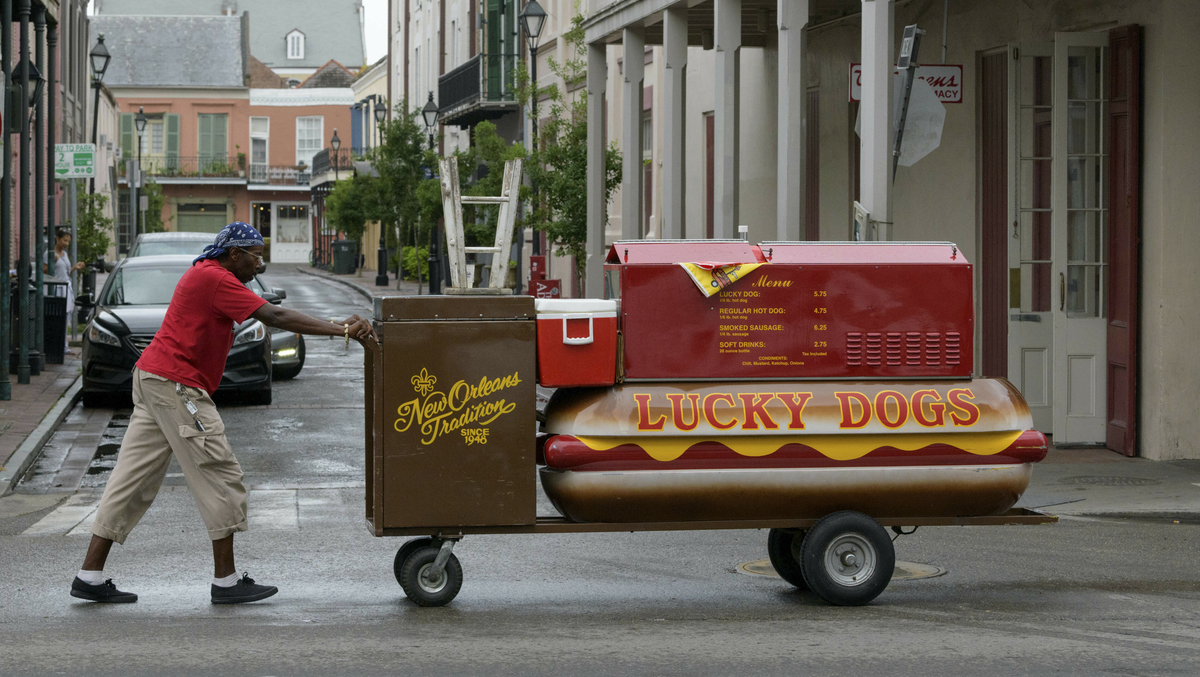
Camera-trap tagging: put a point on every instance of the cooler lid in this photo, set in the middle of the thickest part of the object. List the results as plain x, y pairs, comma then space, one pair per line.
851, 253
633, 252
564, 306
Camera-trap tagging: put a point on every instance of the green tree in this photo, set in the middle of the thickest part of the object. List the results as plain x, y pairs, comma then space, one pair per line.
155, 201
559, 166
401, 163
93, 227
349, 205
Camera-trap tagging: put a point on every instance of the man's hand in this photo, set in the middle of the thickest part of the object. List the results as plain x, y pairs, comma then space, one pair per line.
360, 329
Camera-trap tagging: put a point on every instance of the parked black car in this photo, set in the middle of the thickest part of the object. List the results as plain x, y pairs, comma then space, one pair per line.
128, 312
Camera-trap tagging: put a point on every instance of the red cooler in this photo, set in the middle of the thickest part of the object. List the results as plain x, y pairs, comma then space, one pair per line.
576, 342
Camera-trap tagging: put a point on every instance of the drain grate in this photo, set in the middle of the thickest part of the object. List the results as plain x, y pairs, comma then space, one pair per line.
1107, 481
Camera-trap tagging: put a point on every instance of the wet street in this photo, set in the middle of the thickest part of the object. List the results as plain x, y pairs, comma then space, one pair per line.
1082, 597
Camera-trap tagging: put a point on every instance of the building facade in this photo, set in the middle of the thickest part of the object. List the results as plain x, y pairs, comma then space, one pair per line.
220, 149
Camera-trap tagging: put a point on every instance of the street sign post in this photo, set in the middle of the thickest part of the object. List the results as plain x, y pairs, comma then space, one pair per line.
74, 160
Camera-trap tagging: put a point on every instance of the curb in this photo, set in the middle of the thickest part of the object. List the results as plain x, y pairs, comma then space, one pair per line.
360, 289
25, 455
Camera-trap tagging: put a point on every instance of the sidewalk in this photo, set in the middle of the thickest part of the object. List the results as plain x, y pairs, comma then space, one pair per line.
32, 415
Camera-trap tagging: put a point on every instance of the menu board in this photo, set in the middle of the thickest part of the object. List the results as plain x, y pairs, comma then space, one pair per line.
792, 321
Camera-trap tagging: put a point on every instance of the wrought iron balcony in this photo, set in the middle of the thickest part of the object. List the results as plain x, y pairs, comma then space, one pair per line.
204, 169
483, 88
327, 160
278, 175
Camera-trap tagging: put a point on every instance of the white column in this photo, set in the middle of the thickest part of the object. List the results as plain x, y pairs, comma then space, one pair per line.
791, 195
675, 49
727, 34
875, 113
631, 133
597, 77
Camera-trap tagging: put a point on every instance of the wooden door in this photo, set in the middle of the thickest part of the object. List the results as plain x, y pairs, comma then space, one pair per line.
1030, 321
994, 214
1124, 235
1079, 224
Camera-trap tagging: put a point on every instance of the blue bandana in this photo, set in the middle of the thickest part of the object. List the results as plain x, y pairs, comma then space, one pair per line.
236, 234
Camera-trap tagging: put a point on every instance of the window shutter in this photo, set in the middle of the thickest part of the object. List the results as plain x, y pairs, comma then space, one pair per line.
206, 145
220, 143
172, 132
127, 147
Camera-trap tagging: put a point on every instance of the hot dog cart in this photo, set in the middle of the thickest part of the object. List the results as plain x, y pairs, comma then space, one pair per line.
822, 391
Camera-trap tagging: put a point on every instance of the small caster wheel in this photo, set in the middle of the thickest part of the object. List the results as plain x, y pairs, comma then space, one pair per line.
425, 587
783, 547
406, 550
847, 559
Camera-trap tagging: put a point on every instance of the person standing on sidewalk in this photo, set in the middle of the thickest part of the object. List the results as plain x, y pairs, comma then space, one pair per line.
62, 270
174, 413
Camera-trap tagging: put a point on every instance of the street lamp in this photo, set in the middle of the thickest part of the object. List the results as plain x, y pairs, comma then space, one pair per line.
99, 57
381, 276
139, 121
380, 115
533, 18
430, 113
335, 143
33, 86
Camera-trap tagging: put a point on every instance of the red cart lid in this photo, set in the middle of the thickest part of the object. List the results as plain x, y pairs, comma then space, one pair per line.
634, 252
890, 253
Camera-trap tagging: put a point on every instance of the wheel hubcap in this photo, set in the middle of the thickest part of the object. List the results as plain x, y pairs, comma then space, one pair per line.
430, 582
850, 560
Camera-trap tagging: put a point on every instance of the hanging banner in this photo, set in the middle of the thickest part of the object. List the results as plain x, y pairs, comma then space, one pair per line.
946, 81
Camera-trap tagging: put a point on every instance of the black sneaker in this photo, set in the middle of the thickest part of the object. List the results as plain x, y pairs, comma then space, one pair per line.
106, 592
244, 590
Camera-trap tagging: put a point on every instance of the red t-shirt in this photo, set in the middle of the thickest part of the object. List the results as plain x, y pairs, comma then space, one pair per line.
194, 341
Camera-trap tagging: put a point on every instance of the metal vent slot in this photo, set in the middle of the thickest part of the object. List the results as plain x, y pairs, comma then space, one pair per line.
140, 342
912, 348
952, 348
874, 354
933, 349
854, 349
894, 348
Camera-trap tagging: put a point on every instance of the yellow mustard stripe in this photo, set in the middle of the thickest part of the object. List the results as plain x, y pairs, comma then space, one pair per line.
837, 447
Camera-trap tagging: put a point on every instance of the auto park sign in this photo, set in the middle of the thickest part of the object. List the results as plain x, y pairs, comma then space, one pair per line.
946, 81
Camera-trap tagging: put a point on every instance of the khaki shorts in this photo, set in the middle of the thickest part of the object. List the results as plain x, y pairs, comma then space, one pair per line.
160, 426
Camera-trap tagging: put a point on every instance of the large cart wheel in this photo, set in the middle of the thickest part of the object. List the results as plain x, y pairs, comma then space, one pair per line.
403, 553
847, 559
422, 580
783, 547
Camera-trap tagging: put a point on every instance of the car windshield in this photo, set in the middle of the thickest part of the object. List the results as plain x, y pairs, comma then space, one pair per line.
165, 247
143, 286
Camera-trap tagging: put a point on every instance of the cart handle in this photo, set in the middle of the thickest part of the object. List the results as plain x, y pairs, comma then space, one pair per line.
578, 341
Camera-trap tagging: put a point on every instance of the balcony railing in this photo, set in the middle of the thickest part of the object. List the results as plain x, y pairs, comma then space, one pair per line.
277, 175
327, 160
479, 89
204, 167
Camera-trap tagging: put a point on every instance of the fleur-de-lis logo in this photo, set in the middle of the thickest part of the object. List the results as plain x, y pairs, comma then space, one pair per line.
423, 382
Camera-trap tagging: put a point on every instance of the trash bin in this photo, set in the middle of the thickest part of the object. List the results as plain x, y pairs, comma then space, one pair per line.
15, 329
345, 255
54, 328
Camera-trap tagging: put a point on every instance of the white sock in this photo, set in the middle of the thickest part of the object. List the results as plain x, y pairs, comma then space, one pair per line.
227, 582
91, 577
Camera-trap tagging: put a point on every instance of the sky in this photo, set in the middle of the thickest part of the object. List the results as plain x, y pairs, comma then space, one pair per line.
376, 29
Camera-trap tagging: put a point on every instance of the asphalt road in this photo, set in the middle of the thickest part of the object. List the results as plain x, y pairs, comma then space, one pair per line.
1082, 597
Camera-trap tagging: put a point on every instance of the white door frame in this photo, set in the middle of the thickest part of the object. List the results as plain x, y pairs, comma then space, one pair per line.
290, 252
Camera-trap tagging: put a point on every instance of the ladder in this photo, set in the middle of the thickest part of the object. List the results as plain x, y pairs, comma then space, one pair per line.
452, 203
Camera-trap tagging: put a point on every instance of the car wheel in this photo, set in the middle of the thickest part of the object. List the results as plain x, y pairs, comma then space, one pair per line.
847, 559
